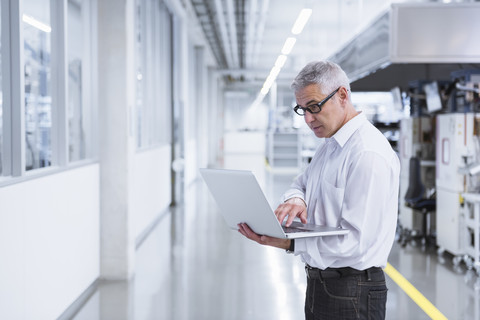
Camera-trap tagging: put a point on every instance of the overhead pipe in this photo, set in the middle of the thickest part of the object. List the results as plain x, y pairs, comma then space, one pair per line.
250, 38
261, 27
223, 32
233, 33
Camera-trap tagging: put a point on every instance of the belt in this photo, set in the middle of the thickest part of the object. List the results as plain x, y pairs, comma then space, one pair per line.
315, 273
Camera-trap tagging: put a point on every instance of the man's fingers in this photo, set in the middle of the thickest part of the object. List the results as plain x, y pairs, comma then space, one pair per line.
280, 213
281, 216
303, 217
240, 229
284, 210
301, 214
245, 230
289, 220
291, 211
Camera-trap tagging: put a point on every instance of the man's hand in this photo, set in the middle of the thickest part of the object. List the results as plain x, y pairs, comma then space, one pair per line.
294, 207
245, 230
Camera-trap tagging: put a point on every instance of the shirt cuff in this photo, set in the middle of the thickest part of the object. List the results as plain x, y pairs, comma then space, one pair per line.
300, 246
291, 249
293, 193
299, 201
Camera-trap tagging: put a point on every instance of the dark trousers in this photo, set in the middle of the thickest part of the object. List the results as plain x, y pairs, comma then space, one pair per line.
345, 293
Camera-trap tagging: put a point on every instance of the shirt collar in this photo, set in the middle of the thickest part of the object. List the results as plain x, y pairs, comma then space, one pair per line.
347, 130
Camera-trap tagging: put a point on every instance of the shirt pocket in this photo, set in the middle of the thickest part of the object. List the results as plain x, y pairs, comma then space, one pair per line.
332, 203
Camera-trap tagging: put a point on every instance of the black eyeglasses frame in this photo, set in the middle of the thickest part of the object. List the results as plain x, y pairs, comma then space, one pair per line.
297, 108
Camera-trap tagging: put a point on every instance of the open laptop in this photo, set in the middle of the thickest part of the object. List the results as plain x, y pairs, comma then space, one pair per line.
241, 200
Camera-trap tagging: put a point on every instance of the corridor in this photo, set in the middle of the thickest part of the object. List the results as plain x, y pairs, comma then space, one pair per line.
217, 274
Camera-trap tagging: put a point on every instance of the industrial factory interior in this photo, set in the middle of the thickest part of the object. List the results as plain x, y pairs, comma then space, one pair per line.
111, 109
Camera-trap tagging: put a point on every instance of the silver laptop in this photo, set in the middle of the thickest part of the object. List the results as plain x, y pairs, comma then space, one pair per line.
241, 200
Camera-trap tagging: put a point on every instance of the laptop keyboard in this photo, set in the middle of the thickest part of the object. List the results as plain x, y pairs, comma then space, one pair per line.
294, 229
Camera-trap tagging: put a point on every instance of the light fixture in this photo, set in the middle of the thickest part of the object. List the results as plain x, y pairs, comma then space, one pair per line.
275, 71
268, 83
37, 24
297, 28
288, 46
301, 21
280, 62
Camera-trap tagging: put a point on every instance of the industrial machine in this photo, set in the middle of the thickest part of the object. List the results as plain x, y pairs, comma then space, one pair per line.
454, 144
417, 140
458, 166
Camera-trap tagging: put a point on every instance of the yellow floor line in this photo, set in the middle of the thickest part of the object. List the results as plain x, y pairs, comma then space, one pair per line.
267, 165
413, 293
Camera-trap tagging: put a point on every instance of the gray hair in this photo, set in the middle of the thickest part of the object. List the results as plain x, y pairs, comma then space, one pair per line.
327, 75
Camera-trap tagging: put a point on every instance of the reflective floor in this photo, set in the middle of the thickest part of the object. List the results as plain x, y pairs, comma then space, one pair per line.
193, 267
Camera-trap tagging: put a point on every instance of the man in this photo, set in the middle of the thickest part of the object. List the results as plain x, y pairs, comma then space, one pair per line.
352, 182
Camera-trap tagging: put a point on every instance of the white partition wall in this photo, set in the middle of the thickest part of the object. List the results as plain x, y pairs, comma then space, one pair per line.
150, 188
80, 217
49, 242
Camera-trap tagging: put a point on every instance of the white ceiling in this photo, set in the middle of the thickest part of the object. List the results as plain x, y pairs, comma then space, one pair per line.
332, 23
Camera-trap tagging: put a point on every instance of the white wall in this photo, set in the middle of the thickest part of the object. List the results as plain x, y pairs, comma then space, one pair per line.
50, 236
151, 186
191, 164
49, 242
116, 43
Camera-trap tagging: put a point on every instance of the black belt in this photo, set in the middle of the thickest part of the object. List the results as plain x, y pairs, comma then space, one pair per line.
315, 273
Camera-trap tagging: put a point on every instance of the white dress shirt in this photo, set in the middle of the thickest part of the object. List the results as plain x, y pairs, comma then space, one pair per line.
352, 182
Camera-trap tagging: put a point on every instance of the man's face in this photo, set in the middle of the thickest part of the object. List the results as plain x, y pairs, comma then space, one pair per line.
325, 123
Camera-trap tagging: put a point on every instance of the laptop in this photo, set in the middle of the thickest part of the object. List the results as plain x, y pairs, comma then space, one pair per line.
241, 200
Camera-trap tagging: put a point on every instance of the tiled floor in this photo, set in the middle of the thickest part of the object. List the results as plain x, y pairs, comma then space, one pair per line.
206, 271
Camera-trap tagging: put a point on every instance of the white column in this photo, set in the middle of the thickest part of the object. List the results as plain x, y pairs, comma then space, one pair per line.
202, 121
273, 104
116, 136
213, 117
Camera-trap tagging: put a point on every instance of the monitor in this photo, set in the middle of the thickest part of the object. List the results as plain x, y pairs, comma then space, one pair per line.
397, 99
434, 100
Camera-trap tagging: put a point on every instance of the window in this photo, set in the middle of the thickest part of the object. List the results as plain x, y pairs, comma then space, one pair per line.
37, 69
47, 110
139, 60
166, 74
153, 73
79, 112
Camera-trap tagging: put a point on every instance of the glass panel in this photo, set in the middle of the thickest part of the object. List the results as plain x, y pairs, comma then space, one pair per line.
38, 100
153, 73
166, 69
78, 122
139, 52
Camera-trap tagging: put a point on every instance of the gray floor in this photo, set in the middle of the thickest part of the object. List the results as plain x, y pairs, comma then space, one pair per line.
206, 271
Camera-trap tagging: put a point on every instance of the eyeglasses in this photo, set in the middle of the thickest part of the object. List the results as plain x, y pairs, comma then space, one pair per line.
314, 108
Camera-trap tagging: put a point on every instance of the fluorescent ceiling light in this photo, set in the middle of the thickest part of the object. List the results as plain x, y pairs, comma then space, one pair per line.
258, 100
264, 91
37, 24
275, 71
301, 21
280, 62
288, 46
269, 82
